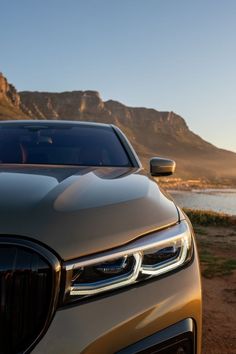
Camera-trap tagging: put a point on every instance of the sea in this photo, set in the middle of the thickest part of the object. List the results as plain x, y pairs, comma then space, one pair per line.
220, 200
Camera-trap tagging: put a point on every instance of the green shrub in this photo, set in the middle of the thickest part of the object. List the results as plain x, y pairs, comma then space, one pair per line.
210, 218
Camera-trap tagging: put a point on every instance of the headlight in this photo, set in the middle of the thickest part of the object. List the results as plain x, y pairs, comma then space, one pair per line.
147, 257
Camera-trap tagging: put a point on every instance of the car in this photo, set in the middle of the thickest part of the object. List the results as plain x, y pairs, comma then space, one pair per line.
94, 256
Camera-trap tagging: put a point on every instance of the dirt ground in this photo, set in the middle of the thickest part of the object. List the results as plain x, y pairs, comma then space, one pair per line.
219, 315
217, 248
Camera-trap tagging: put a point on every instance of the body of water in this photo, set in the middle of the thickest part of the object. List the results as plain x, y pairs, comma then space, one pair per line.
220, 200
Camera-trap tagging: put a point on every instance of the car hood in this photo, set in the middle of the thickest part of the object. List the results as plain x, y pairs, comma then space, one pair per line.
78, 211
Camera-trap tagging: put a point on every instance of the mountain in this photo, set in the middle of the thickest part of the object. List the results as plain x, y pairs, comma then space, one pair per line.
151, 132
9, 101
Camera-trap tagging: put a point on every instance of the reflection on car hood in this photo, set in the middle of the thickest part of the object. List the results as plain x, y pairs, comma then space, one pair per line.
81, 210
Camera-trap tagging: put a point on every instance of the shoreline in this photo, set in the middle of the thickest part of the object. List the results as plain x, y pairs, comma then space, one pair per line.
218, 201
202, 190
178, 184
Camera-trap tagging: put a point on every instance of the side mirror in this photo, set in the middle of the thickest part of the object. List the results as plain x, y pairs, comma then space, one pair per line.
162, 167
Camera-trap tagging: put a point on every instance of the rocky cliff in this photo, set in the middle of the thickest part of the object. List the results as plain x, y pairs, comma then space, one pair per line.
9, 101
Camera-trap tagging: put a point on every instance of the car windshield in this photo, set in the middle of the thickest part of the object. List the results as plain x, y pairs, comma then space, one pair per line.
61, 144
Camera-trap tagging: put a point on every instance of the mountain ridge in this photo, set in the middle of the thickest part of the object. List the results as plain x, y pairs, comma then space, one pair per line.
150, 131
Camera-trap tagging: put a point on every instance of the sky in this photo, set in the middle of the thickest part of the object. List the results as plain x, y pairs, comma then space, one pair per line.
171, 55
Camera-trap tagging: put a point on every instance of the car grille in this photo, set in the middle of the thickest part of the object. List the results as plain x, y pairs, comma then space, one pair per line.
29, 276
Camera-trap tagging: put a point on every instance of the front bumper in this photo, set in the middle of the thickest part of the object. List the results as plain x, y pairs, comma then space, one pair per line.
111, 323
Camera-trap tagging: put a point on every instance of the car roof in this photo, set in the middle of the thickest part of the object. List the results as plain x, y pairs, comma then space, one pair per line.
53, 122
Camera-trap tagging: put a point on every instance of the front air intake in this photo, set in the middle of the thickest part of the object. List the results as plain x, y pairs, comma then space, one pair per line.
29, 285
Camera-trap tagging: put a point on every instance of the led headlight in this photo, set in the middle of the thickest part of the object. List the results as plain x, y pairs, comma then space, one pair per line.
149, 256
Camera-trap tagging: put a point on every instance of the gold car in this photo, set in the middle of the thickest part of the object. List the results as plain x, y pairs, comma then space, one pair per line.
94, 256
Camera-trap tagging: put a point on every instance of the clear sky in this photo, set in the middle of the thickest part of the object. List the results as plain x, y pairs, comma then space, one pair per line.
177, 55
